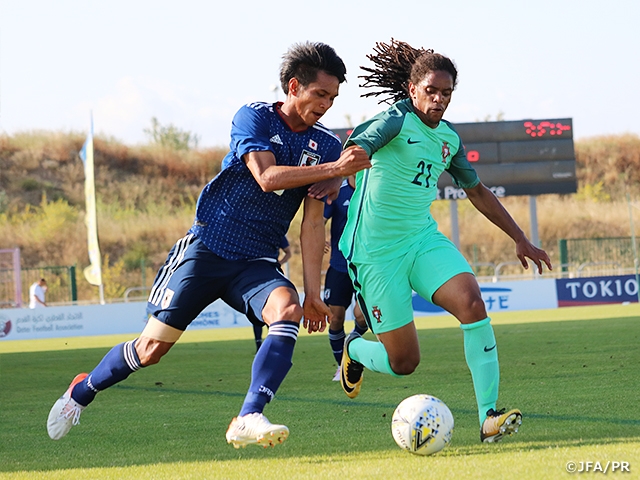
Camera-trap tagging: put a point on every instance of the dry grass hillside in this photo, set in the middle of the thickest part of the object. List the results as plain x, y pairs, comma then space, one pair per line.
147, 194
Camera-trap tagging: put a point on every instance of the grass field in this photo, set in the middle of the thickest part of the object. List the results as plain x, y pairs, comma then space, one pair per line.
574, 372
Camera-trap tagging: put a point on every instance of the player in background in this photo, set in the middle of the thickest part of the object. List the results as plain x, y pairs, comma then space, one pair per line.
286, 255
286, 251
338, 289
277, 151
392, 243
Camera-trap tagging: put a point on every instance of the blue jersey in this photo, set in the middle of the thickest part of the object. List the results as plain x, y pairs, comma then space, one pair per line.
235, 219
337, 212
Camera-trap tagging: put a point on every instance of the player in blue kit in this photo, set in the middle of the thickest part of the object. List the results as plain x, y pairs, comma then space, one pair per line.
257, 327
277, 151
338, 289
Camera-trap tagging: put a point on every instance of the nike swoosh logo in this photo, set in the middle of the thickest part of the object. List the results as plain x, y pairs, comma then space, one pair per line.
488, 391
345, 385
489, 349
411, 142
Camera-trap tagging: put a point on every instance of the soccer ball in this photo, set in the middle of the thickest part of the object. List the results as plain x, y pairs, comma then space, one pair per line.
422, 424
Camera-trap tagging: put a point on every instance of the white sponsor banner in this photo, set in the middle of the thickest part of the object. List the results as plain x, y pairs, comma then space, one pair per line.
504, 297
87, 320
520, 295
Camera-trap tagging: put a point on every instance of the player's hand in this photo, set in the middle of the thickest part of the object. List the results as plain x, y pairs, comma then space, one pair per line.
329, 188
327, 247
315, 314
525, 249
352, 160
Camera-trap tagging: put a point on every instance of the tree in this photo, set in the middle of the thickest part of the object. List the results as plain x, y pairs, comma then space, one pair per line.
171, 136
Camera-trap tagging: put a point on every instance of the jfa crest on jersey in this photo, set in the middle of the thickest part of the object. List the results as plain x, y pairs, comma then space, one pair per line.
308, 159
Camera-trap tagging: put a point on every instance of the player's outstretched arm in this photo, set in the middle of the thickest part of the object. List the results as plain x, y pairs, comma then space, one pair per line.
312, 236
488, 204
272, 177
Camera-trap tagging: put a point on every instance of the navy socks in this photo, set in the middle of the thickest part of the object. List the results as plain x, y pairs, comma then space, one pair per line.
358, 329
270, 365
336, 339
120, 362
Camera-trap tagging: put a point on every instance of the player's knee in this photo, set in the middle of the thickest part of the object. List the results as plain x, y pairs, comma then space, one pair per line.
282, 304
406, 365
474, 309
292, 312
477, 307
336, 322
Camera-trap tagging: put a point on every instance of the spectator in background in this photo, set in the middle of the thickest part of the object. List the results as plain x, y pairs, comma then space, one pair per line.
37, 293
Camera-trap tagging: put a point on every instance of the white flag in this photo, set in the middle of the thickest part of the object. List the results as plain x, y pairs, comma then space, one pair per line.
93, 273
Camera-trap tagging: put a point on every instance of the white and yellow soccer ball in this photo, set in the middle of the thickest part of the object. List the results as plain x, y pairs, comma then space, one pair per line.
422, 424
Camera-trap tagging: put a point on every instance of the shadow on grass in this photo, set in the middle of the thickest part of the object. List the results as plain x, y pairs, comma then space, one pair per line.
365, 404
573, 380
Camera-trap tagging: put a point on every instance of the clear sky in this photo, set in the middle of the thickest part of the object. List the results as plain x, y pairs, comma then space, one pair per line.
193, 63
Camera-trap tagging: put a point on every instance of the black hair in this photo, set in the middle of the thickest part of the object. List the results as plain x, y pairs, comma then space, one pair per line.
304, 60
398, 63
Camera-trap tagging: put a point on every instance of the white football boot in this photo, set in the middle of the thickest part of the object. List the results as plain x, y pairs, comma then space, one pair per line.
254, 428
65, 413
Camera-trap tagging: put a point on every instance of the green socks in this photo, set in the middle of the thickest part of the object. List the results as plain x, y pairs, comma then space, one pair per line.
480, 350
372, 355
481, 353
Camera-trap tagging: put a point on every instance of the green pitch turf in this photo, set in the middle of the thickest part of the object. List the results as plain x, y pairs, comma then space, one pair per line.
574, 373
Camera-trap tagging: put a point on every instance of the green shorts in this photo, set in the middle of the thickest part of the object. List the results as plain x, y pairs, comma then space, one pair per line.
384, 290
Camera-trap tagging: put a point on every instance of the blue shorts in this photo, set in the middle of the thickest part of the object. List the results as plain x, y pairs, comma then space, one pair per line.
338, 289
194, 277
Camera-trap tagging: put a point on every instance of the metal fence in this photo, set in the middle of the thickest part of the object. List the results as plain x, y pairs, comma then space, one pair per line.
613, 251
578, 257
61, 285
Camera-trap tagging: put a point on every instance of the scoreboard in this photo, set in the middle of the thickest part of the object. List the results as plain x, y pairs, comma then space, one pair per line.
522, 157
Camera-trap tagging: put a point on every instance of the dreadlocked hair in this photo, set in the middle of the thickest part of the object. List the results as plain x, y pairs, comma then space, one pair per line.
398, 63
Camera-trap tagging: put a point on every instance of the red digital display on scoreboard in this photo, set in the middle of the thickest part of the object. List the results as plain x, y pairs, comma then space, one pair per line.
545, 128
517, 157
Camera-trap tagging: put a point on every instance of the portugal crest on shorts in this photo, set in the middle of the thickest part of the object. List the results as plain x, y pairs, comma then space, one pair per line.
445, 152
377, 314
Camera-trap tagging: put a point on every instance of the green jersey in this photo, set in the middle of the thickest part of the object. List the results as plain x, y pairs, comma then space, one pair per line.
389, 212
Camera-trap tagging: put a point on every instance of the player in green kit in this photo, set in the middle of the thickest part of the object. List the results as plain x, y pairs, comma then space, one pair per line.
392, 243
